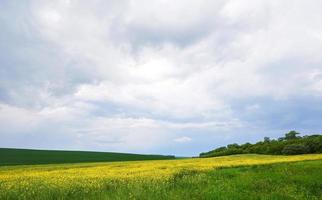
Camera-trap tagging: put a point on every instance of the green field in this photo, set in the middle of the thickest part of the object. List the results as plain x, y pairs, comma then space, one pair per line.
300, 180
29, 157
228, 177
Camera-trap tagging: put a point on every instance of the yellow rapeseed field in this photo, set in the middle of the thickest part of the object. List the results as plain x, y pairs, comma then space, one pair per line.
93, 176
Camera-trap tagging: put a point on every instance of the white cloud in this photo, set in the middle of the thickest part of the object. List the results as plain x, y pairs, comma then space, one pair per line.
13, 119
136, 73
182, 139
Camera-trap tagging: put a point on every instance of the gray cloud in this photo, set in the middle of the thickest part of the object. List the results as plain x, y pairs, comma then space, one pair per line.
124, 76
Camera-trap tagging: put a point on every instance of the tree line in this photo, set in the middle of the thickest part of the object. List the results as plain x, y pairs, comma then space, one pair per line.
290, 144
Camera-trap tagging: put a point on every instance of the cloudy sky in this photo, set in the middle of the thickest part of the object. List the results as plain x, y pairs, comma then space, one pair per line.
170, 77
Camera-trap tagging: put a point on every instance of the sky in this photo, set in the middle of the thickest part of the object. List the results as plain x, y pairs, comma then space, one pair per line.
158, 76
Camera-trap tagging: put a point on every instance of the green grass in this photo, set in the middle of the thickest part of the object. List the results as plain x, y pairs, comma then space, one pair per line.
288, 180
30, 157
301, 180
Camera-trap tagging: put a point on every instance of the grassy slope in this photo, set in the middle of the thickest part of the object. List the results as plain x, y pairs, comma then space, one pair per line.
300, 180
209, 178
27, 156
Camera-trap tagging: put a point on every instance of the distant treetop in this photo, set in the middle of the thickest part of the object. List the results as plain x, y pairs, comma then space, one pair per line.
290, 144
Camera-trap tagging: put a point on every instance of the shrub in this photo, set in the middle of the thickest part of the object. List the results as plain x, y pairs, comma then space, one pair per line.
294, 149
291, 144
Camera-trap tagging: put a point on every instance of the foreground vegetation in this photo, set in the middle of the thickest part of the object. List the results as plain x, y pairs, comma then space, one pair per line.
290, 144
28, 156
229, 177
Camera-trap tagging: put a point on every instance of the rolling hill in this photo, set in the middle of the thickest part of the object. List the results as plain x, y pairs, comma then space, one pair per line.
10, 156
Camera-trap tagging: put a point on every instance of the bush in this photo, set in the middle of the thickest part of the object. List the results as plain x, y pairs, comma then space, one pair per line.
291, 144
314, 143
294, 149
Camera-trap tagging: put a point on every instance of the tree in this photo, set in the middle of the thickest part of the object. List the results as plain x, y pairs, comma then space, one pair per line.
231, 146
291, 144
294, 149
291, 135
267, 139
220, 149
314, 143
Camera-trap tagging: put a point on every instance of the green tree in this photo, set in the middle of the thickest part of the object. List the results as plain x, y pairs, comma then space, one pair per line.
291, 135
267, 139
232, 146
289, 145
294, 149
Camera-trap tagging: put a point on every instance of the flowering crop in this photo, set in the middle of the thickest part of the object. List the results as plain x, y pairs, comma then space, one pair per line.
26, 182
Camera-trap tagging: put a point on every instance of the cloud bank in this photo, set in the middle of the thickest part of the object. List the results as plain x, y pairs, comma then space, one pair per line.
157, 76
